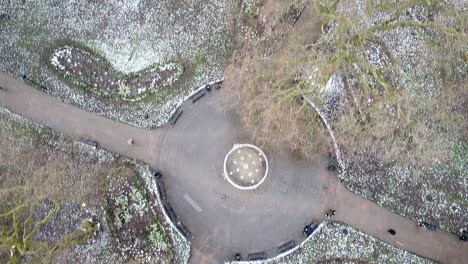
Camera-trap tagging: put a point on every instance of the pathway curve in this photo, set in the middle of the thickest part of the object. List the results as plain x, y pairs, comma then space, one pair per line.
190, 155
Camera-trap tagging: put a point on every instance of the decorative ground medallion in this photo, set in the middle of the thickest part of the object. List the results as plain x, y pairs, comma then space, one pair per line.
245, 166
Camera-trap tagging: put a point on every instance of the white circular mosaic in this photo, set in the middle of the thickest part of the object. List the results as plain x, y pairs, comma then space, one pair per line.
245, 166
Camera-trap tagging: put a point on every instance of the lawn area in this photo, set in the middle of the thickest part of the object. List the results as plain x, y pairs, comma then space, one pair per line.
73, 201
391, 80
337, 243
134, 37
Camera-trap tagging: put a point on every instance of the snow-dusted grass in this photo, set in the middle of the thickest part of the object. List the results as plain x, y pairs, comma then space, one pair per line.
395, 111
337, 243
131, 35
42, 165
78, 183
437, 194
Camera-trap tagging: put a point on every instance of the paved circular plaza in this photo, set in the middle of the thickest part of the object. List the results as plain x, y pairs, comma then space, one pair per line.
279, 194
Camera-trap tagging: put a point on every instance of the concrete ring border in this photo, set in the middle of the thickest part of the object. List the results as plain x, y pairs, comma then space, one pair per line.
253, 187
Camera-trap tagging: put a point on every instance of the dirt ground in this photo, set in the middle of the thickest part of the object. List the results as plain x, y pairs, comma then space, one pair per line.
94, 74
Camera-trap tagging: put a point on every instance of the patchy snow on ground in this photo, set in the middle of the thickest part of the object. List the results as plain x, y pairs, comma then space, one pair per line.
434, 190
337, 243
102, 248
434, 194
131, 35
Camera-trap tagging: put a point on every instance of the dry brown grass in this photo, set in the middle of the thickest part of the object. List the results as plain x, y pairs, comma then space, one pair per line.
261, 82
401, 126
30, 171
35, 174
420, 131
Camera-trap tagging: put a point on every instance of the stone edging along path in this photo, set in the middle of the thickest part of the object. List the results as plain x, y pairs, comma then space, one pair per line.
290, 251
351, 209
330, 131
